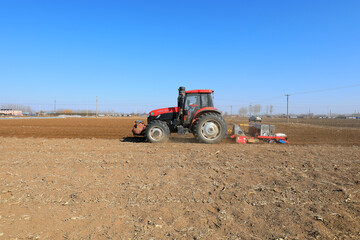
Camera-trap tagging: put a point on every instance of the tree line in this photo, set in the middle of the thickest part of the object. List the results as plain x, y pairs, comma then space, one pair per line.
16, 107
255, 110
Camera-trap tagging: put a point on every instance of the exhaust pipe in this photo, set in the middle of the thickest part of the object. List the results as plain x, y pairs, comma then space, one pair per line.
181, 97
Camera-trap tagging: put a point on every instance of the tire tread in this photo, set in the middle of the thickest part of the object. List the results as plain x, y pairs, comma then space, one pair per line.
159, 123
200, 120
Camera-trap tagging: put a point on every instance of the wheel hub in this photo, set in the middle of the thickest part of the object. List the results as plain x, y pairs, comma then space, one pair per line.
210, 130
156, 133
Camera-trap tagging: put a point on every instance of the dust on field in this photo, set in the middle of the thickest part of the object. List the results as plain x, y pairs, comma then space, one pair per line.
95, 188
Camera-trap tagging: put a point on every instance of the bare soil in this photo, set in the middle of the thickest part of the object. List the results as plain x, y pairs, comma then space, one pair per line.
313, 131
105, 128
79, 179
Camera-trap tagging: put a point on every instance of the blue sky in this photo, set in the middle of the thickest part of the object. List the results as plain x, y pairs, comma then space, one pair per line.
134, 54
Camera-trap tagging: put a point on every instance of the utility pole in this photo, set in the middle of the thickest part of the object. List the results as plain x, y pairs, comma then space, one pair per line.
230, 110
287, 107
96, 106
55, 106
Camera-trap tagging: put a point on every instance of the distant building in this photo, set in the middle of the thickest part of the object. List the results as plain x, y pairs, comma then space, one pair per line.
10, 112
67, 111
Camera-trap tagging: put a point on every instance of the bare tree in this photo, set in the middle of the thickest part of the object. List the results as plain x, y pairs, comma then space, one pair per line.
257, 109
251, 109
243, 111
271, 109
17, 107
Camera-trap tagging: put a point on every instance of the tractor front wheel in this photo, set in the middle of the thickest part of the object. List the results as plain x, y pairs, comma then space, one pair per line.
157, 131
210, 128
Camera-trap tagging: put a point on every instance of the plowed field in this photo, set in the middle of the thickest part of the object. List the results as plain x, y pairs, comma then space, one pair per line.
315, 132
83, 179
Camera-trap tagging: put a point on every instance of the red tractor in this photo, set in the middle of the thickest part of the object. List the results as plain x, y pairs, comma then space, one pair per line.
195, 114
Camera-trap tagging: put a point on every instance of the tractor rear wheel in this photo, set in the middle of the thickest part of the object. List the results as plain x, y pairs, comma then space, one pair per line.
157, 131
210, 128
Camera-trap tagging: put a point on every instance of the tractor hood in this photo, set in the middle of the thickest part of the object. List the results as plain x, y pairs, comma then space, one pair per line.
159, 111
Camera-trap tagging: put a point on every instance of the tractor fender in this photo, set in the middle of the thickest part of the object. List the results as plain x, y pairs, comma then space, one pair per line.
202, 111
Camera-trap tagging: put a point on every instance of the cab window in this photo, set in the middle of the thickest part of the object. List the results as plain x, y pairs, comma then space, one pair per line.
192, 101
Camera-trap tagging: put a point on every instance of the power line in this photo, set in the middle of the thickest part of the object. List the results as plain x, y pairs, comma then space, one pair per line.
326, 90
96, 106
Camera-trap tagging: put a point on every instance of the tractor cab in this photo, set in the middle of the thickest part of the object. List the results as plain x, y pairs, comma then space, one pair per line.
196, 100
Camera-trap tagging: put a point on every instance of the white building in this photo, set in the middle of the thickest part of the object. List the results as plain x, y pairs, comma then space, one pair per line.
12, 112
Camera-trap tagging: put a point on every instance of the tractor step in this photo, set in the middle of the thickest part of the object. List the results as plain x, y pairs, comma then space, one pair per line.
181, 130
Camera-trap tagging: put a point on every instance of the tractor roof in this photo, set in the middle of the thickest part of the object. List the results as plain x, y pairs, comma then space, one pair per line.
200, 91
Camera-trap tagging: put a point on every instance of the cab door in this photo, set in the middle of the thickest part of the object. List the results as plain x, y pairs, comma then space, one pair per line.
192, 105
